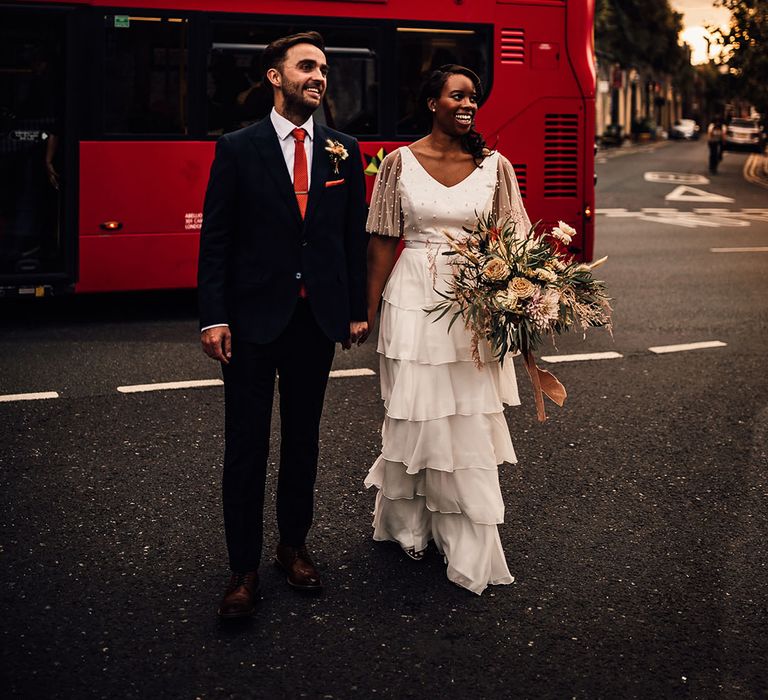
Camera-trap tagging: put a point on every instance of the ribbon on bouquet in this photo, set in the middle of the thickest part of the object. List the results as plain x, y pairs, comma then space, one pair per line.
543, 383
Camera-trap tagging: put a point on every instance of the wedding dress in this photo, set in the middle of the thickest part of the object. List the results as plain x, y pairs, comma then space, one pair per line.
444, 431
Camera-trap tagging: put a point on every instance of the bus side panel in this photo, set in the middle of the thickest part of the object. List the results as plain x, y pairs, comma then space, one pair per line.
152, 193
538, 117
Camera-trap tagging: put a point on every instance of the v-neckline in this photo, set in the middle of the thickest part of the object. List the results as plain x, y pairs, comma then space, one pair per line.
434, 179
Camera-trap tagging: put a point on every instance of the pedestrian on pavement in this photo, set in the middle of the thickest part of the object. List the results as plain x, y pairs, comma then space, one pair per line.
715, 138
281, 280
444, 431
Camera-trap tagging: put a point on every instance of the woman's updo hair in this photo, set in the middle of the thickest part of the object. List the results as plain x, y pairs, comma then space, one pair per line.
472, 142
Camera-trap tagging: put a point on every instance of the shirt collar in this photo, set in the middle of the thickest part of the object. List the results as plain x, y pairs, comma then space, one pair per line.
283, 127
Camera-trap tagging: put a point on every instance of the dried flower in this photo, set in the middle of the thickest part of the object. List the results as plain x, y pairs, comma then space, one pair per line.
506, 300
496, 270
522, 287
337, 153
544, 274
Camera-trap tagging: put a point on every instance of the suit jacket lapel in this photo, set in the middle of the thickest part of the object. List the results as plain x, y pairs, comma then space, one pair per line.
268, 145
321, 169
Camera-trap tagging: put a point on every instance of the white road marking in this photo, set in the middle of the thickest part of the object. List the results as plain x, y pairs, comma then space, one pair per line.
707, 218
198, 383
685, 178
753, 249
161, 386
684, 193
583, 356
362, 372
755, 170
661, 349
33, 396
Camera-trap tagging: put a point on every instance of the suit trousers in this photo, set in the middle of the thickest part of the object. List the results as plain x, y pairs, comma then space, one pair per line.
301, 357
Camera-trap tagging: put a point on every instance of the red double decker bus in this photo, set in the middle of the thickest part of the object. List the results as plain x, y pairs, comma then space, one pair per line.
109, 114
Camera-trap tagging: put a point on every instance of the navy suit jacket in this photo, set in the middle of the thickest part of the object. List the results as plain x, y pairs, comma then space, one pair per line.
256, 251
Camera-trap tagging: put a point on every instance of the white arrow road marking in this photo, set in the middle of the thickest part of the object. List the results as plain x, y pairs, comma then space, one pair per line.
661, 349
161, 386
693, 194
32, 396
583, 356
686, 178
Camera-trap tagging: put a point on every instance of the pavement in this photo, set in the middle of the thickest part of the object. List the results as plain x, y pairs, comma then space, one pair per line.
636, 521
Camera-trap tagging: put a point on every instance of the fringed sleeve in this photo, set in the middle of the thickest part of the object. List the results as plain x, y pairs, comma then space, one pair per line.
508, 202
385, 217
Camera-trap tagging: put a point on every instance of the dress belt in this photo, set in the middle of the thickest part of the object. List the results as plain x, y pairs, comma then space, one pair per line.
424, 244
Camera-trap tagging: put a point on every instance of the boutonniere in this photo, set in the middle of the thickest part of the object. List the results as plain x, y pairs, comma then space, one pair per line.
337, 153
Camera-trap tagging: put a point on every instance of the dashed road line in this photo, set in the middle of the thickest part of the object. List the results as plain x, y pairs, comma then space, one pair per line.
162, 386
582, 357
31, 396
362, 372
746, 249
661, 349
198, 383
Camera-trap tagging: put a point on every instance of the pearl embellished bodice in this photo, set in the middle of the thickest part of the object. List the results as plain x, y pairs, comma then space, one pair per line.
430, 208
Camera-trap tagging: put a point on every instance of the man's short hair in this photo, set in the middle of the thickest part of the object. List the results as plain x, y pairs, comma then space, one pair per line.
274, 54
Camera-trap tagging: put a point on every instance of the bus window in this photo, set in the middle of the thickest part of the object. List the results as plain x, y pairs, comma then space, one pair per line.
421, 50
32, 143
145, 89
238, 95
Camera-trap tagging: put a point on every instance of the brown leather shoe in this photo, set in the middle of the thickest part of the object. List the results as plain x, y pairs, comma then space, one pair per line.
299, 567
240, 597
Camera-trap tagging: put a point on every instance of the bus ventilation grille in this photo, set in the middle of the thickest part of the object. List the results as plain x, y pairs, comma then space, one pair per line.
521, 172
513, 46
561, 152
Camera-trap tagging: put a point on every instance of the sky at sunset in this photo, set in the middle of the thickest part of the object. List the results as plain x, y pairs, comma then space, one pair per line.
697, 14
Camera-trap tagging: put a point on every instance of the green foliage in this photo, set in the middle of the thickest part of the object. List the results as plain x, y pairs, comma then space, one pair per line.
641, 34
745, 45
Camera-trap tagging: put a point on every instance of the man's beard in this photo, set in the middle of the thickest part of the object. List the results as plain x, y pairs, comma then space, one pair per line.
295, 101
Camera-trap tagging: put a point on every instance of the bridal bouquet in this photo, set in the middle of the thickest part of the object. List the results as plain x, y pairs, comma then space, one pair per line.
513, 290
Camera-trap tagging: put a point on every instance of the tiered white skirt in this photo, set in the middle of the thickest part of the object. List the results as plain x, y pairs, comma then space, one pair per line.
444, 431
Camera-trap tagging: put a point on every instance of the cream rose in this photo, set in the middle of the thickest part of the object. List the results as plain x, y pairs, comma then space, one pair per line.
506, 300
522, 287
496, 270
566, 229
543, 274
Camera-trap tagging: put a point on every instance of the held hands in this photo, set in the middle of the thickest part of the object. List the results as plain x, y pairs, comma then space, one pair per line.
217, 343
358, 334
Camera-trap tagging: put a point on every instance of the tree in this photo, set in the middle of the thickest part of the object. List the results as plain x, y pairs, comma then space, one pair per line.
745, 45
640, 34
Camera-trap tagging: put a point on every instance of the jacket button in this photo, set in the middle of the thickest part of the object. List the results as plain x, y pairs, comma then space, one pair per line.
298, 275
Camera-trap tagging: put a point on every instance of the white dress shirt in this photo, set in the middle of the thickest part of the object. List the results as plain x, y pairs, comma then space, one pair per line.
284, 129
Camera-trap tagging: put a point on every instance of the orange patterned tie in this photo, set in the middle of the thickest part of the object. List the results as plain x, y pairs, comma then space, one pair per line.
300, 178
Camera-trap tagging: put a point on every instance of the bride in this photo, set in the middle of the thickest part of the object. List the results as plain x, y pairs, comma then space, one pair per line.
444, 431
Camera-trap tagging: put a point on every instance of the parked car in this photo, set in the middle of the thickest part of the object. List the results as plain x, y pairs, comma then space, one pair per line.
744, 134
684, 129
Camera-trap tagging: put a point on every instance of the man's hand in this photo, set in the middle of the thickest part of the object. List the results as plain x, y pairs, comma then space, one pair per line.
358, 333
217, 343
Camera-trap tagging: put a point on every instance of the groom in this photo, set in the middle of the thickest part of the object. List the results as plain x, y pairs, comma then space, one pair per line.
281, 279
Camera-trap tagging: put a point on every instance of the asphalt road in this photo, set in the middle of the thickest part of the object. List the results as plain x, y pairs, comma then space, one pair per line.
636, 519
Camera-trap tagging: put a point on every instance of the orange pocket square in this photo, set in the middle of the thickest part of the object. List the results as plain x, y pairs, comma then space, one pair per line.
334, 183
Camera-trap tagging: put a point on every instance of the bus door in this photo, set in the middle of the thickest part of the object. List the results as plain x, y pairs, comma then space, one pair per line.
35, 251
